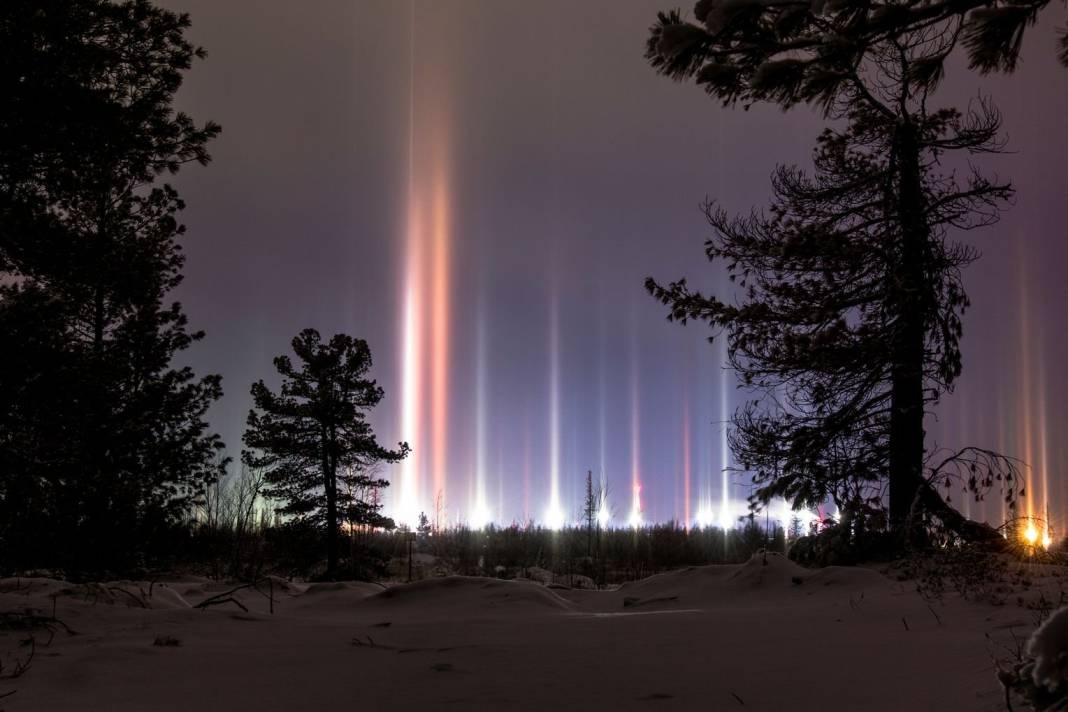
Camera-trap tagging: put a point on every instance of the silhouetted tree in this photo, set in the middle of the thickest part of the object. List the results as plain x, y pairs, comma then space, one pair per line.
786, 52
104, 443
312, 439
850, 319
362, 501
87, 116
424, 527
589, 512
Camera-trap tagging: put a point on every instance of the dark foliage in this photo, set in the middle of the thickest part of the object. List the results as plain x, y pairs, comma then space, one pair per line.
789, 52
103, 444
313, 443
847, 317
295, 549
619, 554
841, 545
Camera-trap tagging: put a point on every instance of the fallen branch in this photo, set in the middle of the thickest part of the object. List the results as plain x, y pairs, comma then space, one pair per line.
975, 469
378, 646
21, 666
216, 601
136, 600
224, 597
28, 621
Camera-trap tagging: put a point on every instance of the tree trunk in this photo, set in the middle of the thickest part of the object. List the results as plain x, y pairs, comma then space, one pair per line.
98, 322
96, 529
99, 258
907, 358
330, 486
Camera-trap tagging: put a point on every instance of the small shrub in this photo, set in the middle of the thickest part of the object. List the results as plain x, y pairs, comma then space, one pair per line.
971, 572
836, 545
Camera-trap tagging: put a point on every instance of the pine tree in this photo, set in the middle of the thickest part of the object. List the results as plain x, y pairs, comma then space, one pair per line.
785, 51
312, 439
850, 323
87, 115
105, 443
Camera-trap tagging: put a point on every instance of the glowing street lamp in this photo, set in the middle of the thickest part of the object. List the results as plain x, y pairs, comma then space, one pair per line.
1031, 534
635, 520
554, 517
480, 517
705, 518
636, 507
604, 517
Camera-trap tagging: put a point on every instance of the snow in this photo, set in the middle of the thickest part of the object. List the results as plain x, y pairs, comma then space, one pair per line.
1049, 647
770, 636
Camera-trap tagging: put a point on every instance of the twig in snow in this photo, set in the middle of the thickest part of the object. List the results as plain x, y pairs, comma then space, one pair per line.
224, 597
21, 666
216, 601
136, 600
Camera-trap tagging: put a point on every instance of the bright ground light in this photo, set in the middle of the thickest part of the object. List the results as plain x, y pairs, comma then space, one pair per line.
554, 517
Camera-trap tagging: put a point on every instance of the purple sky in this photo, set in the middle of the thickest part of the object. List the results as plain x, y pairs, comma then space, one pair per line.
570, 172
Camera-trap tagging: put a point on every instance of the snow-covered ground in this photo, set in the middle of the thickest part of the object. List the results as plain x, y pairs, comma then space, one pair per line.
748, 637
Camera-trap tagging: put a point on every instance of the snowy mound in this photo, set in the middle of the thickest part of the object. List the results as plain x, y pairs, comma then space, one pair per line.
549, 578
174, 579
32, 587
851, 577
358, 588
207, 587
773, 570
1049, 647
135, 594
772, 576
131, 594
776, 571
696, 580
470, 592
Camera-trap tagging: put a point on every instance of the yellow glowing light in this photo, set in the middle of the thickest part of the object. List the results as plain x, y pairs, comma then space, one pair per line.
1031, 534
1046, 540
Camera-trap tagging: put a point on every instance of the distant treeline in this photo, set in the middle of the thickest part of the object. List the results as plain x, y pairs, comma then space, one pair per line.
571, 556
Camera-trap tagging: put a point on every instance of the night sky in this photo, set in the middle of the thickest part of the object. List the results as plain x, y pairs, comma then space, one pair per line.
480, 194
